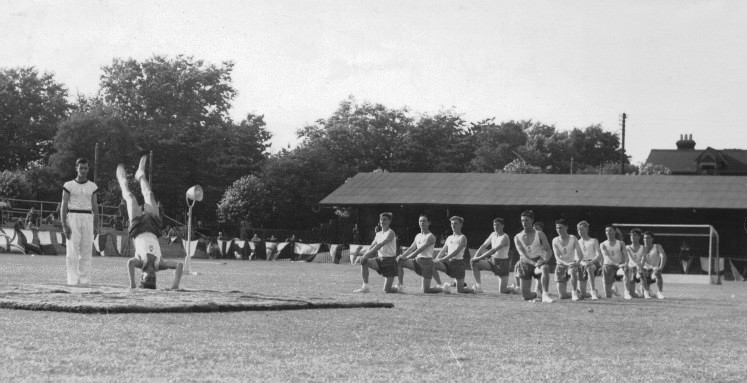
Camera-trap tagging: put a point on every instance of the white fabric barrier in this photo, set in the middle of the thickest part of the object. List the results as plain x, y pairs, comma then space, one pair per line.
224, 247
704, 265
306, 251
274, 249
61, 239
192, 247
45, 242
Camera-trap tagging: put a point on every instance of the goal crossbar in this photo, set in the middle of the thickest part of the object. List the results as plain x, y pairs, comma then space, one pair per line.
712, 233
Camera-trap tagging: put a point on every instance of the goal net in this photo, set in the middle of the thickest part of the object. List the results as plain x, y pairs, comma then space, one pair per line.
690, 249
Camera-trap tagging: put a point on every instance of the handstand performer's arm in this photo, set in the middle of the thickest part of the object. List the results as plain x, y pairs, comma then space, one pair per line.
131, 265
177, 266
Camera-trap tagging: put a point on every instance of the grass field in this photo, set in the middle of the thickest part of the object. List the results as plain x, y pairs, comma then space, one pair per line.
696, 334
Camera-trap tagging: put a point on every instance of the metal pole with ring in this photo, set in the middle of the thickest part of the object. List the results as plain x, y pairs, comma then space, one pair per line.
194, 194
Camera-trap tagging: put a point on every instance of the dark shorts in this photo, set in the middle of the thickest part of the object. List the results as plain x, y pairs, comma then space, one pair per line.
386, 267
610, 273
563, 272
584, 274
145, 223
633, 275
424, 267
455, 268
528, 271
650, 276
500, 267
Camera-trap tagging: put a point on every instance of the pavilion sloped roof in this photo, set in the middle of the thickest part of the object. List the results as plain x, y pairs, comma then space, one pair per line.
495, 189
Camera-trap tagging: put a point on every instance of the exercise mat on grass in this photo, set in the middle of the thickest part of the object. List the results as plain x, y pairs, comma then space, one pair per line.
105, 299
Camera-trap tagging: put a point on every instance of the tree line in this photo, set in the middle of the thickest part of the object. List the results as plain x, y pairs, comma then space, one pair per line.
178, 108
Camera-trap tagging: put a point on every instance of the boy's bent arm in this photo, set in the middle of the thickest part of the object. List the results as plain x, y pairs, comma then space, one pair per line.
131, 264
663, 257
548, 248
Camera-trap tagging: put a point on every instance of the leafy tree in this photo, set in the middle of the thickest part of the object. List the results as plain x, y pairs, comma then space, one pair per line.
361, 136
13, 184
44, 183
297, 180
236, 150
181, 95
518, 166
497, 145
248, 198
649, 169
436, 143
31, 106
594, 147
77, 137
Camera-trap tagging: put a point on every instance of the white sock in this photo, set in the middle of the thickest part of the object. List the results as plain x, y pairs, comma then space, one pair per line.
477, 285
365, 285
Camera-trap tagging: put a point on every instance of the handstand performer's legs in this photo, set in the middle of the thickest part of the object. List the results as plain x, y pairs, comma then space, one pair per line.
133, 209
150, 204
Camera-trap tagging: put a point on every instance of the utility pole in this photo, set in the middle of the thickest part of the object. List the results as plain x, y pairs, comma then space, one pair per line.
96, 162
622, 152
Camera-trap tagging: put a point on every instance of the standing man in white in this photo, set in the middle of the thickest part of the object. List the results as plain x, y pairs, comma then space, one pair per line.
80, 218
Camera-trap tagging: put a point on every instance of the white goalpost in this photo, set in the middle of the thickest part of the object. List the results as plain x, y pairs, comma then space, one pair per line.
697, 235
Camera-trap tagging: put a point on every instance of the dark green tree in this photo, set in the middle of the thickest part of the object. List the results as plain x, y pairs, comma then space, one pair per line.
437, 143
361, 137
78, 136
31, 106
496, 145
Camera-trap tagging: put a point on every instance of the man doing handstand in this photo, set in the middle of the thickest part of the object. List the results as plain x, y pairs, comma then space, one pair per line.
145, 229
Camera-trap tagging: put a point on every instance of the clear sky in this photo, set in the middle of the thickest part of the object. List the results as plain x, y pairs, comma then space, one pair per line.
673, 66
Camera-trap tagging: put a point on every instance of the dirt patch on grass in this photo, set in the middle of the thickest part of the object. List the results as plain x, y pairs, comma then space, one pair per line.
118, 300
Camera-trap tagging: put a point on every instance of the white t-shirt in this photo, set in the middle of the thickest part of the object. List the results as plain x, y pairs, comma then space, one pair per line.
421, 240
452, 243
634, 256
80, 194
147, 243
588, 247
497, 240
612, 253
566, 253
653, 258
535, 249
389, 239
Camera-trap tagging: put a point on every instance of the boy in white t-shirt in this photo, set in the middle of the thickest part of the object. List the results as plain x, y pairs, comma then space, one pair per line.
591, 265
381, 256
496, 259
451, 257
653, 262
635, 260
419, 258
615, 263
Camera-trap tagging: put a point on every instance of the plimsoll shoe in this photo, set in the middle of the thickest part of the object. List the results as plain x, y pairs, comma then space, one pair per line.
362, 290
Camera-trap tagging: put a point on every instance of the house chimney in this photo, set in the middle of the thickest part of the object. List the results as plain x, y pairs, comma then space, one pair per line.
686, 142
